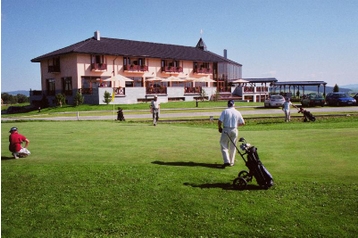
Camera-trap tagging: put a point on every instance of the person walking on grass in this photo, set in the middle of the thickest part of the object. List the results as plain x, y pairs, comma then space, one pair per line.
15, 145
155, 109
228, 123
286, 107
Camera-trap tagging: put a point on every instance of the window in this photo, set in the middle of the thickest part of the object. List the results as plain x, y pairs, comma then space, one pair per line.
133, 61
126, 61
137, 82
54, 65
98, 59
98, 62
67, 85
50, 86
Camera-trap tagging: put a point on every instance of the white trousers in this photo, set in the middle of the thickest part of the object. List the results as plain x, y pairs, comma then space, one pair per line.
287, 115
228, 149
22, 153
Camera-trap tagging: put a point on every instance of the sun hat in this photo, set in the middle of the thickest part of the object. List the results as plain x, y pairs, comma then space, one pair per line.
13, 129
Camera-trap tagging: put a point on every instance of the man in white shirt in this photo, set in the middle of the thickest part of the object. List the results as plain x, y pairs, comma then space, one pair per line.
155, 108
286, 108
228, 122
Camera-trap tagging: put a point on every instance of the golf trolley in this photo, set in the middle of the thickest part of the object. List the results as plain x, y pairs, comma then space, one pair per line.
307, 115
256, 169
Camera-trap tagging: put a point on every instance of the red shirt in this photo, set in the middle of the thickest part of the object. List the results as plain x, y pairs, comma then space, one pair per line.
15, 140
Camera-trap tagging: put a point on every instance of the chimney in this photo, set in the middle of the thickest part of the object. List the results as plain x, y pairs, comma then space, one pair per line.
225, 53
97, 36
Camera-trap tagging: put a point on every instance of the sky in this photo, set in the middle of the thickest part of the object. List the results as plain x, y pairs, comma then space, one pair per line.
291, 40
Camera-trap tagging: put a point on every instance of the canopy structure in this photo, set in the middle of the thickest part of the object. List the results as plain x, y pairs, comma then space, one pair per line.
240, 81
282, 85
205, 79
154, 79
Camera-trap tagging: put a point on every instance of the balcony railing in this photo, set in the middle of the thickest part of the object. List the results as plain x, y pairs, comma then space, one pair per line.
97, 66
156, 90
54, 69
172, 69
203, 71
248, 89
192, 90
135, 68
261, 89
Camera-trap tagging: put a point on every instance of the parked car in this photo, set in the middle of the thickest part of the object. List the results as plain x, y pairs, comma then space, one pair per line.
356, 98
274, 101
311, 100
339, 99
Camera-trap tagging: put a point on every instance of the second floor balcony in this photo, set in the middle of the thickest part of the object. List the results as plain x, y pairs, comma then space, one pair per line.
172, 69
98, 66
203, 71
135, 68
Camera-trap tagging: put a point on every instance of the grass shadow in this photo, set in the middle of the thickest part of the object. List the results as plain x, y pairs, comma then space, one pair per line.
190, 164
224, 186
6, 158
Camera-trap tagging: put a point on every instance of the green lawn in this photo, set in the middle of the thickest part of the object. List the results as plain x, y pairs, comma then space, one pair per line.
129, 179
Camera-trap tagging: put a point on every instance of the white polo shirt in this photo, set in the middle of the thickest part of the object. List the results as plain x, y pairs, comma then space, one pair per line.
231, 118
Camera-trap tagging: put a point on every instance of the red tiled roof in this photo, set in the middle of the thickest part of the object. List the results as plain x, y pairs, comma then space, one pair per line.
120, 47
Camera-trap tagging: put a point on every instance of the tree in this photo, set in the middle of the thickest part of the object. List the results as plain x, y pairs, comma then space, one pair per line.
21, 98
8, 98
5, 97
335, 88
78, 100
107, 97
202, 95
60, 99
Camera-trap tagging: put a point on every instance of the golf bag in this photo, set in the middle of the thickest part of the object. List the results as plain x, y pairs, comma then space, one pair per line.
256, 169
120, 116
307, 115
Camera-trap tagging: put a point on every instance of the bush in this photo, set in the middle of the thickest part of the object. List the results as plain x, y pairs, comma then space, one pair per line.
107, 97
60, 99
79, 99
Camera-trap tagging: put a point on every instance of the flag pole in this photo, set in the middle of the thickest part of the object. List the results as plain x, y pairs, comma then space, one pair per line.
113, 96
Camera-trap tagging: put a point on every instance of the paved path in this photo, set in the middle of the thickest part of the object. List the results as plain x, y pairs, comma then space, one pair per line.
147, 116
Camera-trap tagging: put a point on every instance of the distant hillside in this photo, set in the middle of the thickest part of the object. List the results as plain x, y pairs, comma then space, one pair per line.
353, 87
24, 92
329, 89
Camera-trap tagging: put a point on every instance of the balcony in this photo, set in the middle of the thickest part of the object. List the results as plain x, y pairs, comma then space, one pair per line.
135, 68
172, 69
192, 90
98, 67
156, 90
203, 71
54, 69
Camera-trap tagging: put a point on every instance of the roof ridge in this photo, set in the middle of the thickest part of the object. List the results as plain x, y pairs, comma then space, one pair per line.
148, 42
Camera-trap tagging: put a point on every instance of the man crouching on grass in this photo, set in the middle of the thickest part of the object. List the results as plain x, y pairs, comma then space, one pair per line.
15, 146
228, 122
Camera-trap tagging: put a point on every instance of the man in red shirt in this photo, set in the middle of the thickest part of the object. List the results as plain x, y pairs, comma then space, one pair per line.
15, 146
